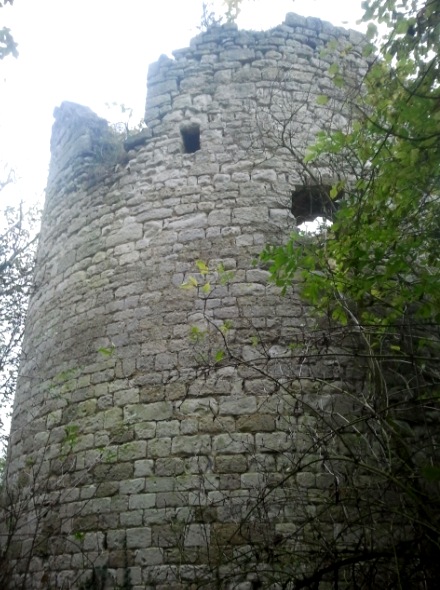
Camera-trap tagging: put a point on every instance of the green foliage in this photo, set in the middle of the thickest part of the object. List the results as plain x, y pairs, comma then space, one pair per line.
107, 351
224, 276
67, 375
226, 326
203, 268
71, 436
79, 535
219, 356
373, 276
378, 262
203, 284
196, 334
191, 283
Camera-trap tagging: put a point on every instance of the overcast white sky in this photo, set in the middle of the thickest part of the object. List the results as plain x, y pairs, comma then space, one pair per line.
96, 52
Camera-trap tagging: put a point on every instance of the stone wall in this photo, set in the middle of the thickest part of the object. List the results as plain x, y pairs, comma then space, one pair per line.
150, 419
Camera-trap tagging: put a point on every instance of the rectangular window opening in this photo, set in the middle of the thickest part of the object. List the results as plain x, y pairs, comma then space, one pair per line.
190, 137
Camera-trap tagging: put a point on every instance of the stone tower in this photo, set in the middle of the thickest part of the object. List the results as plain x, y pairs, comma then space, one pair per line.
151, 420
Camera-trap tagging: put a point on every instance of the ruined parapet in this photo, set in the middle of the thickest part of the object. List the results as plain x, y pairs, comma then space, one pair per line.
226, 75
148, 417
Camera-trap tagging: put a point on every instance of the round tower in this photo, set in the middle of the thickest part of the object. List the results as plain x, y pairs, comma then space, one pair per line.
152, 415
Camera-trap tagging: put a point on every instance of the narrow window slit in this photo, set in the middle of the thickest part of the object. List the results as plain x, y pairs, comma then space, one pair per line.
191, 137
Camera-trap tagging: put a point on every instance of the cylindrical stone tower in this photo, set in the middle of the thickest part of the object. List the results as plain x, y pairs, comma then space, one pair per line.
151, 420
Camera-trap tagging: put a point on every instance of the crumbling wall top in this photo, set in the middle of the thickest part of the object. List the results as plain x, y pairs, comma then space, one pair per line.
76, 133
224, 57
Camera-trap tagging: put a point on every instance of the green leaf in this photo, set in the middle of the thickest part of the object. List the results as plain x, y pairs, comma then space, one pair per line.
431, 473
203, 269
191, 283
333, 69
219, 356
322, 99
371, 31
402, 27
196, 334
109, 351
226, 326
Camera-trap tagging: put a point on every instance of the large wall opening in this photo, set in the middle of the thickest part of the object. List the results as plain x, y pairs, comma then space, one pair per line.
309, 202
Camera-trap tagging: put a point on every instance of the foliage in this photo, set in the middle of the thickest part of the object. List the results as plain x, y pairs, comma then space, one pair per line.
373, 277
232, 9
30, 498
378, 261
126, 126
229, 12
355, 499
17, 250
16, 264
7, 44
209, 17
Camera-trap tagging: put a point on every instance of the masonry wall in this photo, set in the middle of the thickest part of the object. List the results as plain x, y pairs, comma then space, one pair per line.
150, 418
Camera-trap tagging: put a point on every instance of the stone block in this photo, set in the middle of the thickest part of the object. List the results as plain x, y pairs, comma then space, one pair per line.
169, 466
147, 412
141, 501
239, 405
230, 463
138, 537
256, 423
168, 428
234, 443
275, 442
191, 445
159, 484
143, 467
126, 233
148, 556
159, 447
130, 451
132, 486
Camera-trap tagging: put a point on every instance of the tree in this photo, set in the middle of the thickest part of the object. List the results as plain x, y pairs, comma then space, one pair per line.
7, 44
382, 246
374, 280
230, 11
17, 239
16, 266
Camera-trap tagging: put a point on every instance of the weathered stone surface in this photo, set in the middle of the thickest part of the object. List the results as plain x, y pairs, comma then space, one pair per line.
155, 444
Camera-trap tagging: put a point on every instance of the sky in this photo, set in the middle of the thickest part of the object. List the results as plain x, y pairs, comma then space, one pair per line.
97, 52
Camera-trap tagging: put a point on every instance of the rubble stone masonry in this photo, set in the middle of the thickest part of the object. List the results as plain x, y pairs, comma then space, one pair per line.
150, 419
